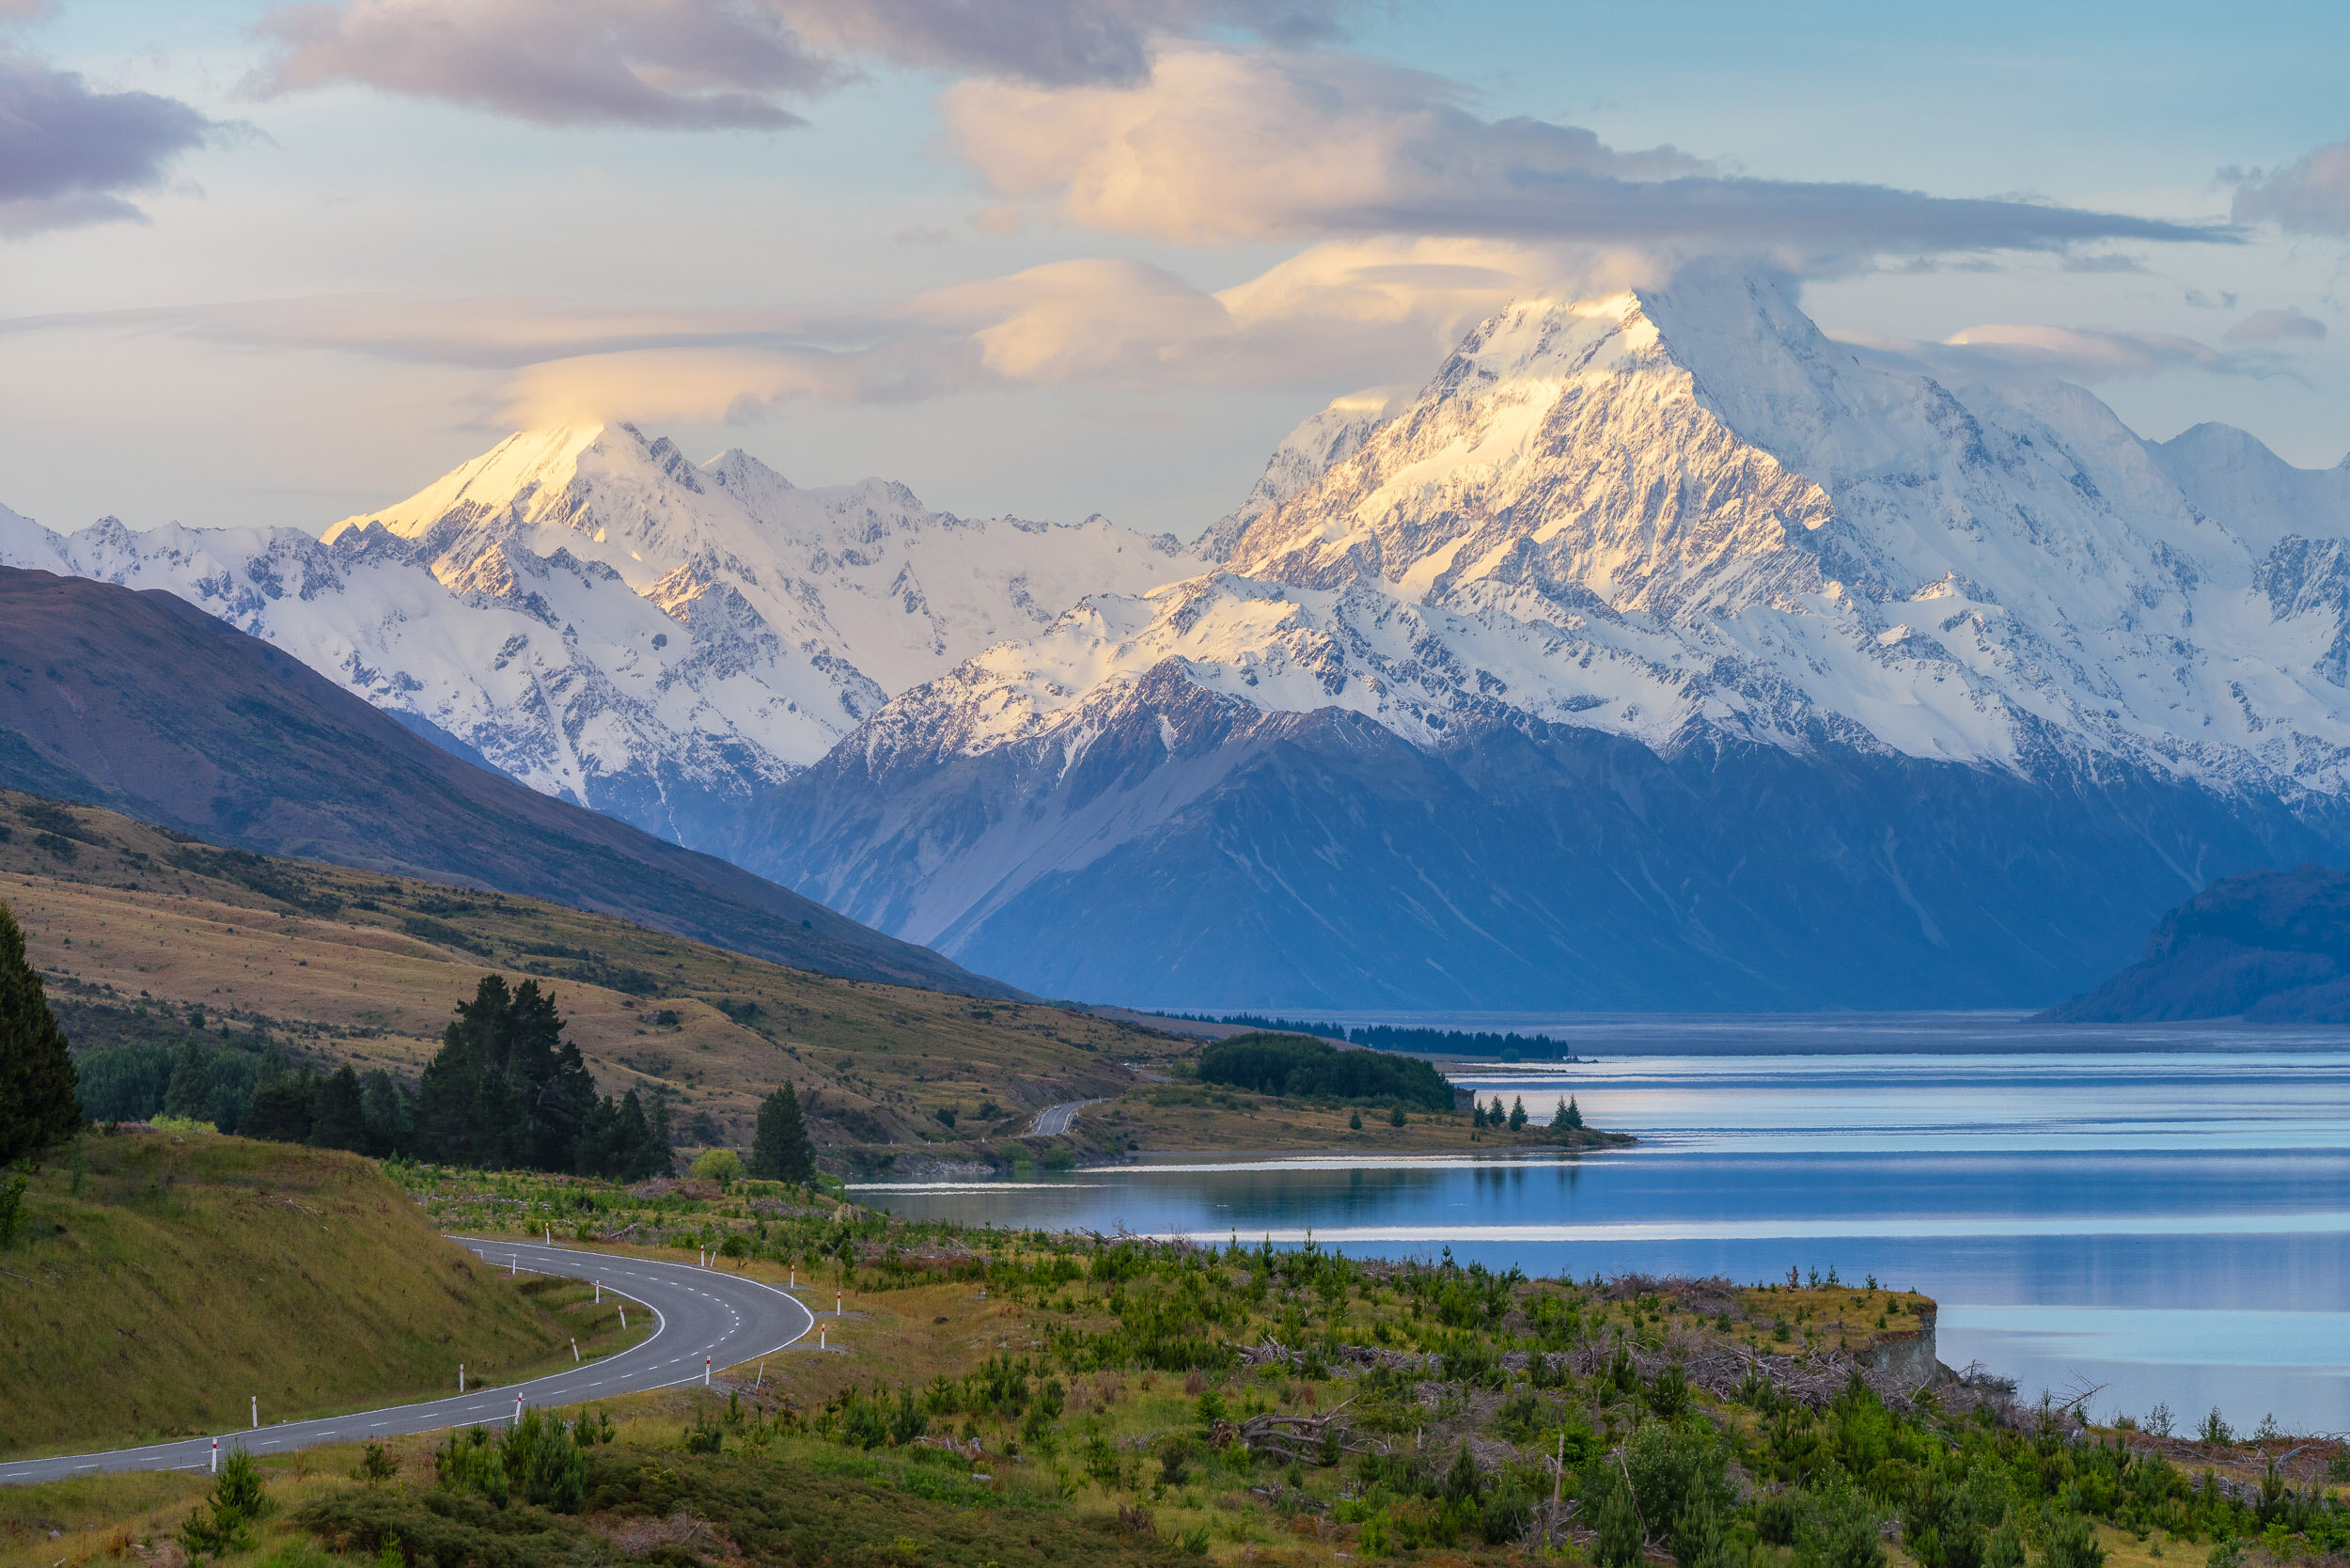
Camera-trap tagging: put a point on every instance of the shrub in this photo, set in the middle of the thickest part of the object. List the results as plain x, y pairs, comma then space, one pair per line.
722, 1165
238, 1503
538, 1459
2071, 1543
545, 1463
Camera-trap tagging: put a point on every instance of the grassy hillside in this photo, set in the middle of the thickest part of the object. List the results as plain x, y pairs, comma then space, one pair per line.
139, 933
143, 935
163, 1279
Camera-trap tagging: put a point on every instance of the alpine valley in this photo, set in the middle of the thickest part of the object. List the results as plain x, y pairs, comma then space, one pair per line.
1660, 652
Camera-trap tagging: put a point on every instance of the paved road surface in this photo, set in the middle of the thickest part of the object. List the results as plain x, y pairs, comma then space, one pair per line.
1052, 1121
700, 1312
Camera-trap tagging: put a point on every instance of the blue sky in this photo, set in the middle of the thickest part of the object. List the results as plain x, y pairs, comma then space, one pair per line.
374, 259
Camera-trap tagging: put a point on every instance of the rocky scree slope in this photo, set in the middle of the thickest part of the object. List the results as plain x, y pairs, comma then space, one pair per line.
1662, 652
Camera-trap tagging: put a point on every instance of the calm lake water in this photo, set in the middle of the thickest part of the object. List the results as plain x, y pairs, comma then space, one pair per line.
2164, 1213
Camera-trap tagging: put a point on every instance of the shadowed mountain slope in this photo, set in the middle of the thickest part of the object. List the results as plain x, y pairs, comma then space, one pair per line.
2270, 947
141, 702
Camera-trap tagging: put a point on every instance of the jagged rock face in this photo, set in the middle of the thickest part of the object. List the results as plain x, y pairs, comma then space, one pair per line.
1644, 604
592, 614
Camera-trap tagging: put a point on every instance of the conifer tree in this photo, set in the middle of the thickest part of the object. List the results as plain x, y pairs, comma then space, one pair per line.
282, 1109
1574, 1113
39, 1105
780, 1151
1558, 1118
341, 1117
507, 1089
1517, 1115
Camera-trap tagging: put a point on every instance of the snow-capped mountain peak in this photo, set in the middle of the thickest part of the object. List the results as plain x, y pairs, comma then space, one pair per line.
605, 619
1692, 489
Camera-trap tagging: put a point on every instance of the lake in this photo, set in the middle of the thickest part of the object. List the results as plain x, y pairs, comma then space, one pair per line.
2163, 1214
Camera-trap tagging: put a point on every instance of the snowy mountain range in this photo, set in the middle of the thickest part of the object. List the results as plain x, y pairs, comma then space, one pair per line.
1659, 652
588, 612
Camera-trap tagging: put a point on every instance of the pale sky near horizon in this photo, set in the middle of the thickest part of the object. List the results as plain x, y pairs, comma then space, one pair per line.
269, 264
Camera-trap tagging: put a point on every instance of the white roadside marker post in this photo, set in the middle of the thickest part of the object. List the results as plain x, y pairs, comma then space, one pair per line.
599, 1293
216, 1456
705, 1372
836, 1304
623, 1320
760, 1380
518, 1409
820, 1337
795, 1279
460, 1377
257, 1412
514, 1263
574, 1351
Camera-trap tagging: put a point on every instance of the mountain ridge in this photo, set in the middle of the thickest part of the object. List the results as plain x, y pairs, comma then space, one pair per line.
143, 703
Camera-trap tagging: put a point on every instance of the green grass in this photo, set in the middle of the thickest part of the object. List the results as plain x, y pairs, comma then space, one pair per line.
163, 1280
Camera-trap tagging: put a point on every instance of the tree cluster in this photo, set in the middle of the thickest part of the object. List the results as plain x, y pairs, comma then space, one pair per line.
508, 1091
1293, 1064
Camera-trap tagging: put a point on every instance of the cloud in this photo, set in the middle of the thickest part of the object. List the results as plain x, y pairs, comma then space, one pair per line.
2309, 195
2111, 261
2069, 354
1048, 43
1222, 144
1338, 314
67, 154
1341, 313
679, 64
702, 65
2276, 326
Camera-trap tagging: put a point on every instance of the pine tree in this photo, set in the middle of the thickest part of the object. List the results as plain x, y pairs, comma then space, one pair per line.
384, 1106
190, 1091
660, 1143
780, 1151
282, 1109
40, 1106
1574, 1113
340, 1119
1558, 1118
1517, 1115
1620, 1544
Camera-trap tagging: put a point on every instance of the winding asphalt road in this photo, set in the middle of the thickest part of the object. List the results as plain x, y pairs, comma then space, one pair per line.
1052, 1121
700, 1313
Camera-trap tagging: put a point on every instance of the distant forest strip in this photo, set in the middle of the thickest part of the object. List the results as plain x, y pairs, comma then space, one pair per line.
1386, 1037
1288, 1064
